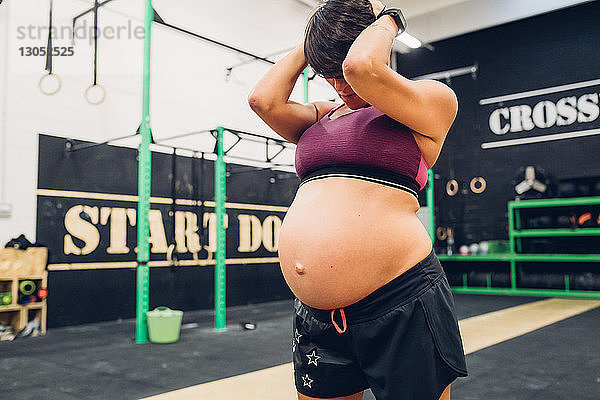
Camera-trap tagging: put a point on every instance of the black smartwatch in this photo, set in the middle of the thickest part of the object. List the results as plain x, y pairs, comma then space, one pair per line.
397, 16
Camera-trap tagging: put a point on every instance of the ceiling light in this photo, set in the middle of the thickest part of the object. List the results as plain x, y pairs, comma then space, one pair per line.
409, 40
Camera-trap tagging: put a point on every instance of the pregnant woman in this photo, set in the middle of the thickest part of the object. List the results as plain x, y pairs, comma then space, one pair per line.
373, 307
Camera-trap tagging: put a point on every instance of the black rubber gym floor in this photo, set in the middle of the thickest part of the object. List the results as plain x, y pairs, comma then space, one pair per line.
101, 361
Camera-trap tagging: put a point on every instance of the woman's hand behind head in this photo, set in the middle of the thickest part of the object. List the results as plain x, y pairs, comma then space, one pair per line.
331, 30
377, 7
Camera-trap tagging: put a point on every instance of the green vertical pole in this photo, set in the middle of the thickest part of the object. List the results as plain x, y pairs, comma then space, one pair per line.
305, 80
518, 243
144, 175
221, 238
430, 206
517, 213
511, 238
511, 227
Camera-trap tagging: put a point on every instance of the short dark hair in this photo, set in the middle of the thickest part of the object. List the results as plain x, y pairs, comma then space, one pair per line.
331, 30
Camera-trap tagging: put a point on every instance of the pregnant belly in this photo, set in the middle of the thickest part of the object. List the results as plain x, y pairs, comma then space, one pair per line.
336, 247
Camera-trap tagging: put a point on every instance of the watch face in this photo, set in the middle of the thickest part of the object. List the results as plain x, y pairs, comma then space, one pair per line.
397, 16
403, 19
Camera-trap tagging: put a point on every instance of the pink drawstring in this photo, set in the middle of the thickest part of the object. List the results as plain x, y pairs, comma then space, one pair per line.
337, 327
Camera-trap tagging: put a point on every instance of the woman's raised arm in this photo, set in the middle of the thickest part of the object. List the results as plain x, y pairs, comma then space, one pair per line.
427, 107
270, 98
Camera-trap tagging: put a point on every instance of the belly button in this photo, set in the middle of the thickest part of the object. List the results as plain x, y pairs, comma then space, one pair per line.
300, 270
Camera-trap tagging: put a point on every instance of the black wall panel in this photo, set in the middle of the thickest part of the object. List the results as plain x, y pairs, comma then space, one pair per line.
550, 50
98, 286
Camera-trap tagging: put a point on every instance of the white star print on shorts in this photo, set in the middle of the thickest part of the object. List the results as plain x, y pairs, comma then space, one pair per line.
307, 381
297, 336
295, 340
312, 358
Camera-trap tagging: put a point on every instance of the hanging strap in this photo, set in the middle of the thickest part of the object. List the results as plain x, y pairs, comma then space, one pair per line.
201, 198
95, 42
344, 324
173, 193
196, 195
49, 47
172, 249
49, 55
194, 159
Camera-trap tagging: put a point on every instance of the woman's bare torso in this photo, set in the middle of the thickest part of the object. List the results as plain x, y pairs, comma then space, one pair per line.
343, 238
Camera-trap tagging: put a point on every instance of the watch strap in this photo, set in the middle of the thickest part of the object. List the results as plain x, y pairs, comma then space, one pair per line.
397, 16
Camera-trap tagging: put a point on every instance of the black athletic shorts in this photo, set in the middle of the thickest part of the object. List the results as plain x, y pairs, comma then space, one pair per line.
402, 341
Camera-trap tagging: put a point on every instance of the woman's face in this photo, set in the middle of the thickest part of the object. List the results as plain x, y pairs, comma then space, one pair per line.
346, 93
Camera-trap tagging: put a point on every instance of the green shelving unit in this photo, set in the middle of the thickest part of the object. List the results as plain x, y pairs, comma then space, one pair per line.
515, 256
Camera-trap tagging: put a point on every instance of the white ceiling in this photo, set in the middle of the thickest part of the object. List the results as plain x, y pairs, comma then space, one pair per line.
412, 8
432, 20
472, 15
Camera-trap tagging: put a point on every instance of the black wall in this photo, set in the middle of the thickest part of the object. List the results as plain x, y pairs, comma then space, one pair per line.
95, 291
545, 51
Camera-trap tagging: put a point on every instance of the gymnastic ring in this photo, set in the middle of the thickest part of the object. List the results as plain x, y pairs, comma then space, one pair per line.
475, 181
43, 78
441, 233
452, 187
87, 95
171, 256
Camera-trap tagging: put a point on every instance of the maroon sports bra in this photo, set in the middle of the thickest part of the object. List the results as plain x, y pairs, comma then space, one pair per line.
364, 144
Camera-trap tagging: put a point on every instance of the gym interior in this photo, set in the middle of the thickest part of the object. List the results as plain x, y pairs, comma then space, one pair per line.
141, 198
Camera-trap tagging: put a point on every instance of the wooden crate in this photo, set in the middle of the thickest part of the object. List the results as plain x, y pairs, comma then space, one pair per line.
30, 262
16, 266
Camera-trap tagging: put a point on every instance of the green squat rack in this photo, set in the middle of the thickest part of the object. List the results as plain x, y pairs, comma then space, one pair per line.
220, 268
144, 187
144, 190
515, 256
